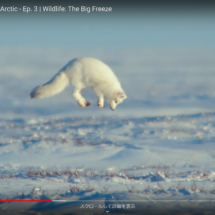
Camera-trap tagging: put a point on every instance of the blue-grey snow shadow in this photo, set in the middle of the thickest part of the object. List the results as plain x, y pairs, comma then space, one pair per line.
123, 154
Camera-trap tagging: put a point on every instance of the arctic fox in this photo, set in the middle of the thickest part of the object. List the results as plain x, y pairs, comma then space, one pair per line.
81, 73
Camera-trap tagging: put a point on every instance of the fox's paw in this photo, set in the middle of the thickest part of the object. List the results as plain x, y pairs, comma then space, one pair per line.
100, 105
87, 104
84, 104
81, 104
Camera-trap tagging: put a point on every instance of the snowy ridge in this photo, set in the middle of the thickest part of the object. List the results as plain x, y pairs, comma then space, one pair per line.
102, 156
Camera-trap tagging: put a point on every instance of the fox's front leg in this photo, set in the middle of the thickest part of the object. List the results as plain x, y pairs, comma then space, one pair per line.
100, 102
82, 102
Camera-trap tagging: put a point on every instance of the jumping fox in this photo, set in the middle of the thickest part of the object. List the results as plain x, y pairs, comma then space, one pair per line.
81, 73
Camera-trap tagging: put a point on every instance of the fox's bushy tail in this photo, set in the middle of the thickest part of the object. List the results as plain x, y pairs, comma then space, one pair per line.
57, 84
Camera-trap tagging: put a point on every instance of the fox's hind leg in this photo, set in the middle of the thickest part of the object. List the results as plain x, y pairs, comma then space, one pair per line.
82, 102
101, 102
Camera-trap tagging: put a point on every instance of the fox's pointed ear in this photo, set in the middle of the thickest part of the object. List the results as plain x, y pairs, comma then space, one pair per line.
122, 95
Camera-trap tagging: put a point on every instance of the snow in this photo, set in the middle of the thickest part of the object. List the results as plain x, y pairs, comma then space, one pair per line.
158, 145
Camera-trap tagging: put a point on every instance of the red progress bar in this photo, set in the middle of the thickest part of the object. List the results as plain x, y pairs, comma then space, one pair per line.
26, 200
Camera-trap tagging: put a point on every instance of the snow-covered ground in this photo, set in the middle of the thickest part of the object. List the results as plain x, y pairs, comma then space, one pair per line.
158, 145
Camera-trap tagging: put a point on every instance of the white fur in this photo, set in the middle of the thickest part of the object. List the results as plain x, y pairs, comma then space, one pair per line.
82, 73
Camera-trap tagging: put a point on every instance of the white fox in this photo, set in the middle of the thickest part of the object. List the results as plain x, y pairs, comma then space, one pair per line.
82, 73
